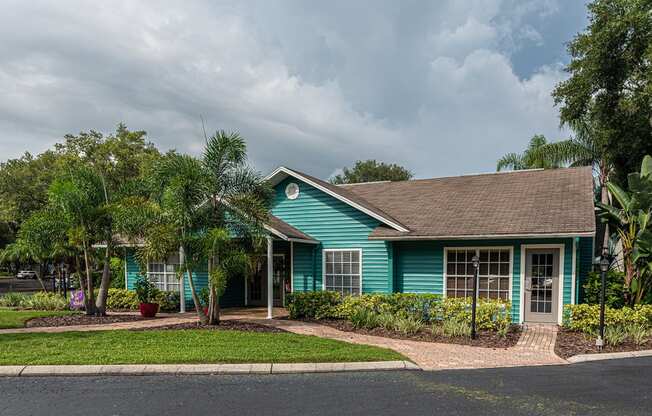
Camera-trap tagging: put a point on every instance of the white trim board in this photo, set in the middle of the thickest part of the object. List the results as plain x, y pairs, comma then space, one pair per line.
289, 172
483, 236
560, 308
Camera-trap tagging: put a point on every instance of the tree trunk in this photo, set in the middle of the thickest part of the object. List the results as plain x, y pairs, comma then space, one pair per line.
214, 307
89, 296
200, 311
39, 276
604, 198
104, 284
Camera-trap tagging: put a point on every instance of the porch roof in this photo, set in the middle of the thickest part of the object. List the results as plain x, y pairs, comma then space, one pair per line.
285, 231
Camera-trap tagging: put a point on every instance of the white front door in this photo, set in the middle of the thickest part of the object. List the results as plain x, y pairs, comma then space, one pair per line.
542, 285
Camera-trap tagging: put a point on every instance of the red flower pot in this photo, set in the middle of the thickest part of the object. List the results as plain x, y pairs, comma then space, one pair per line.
148, 310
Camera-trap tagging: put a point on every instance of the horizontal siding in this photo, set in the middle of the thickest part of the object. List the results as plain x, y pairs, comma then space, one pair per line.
585, 264
233, 296
335, 225
420, 266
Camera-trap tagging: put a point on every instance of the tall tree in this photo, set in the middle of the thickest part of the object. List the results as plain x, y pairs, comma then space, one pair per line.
610, 85
78, 199
529, 159
119, 161
23, 187
372, 171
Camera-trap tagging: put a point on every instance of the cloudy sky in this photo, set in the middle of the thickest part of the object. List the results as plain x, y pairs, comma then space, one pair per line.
442, 87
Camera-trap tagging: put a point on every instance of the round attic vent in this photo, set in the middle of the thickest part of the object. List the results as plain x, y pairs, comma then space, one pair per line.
292, 191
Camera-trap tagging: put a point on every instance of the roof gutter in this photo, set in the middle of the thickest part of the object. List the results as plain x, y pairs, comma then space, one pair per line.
482, 236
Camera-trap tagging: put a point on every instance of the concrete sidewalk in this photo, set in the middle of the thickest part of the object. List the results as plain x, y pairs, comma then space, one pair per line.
183, 369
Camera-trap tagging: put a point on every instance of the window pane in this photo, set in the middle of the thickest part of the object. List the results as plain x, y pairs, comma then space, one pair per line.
504, 256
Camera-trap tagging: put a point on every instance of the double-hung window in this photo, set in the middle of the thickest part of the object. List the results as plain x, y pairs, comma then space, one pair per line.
164, 274
493, 275
343, 271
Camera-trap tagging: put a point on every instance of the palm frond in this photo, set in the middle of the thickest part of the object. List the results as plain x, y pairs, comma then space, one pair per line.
510, 160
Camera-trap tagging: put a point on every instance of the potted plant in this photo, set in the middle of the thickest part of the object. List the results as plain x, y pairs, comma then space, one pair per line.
146, 292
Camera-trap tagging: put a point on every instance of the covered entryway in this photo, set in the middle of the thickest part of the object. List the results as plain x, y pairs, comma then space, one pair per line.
272, 278
542, 283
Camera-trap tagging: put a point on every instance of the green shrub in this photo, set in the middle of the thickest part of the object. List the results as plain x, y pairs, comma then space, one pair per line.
121, 299
638, 334
128, 299
13, 299
613, 292
312, 305
615, 335
586, 318
168, 301
46, 301
146, 291
364, 318
454, 328
408, 325
387, 321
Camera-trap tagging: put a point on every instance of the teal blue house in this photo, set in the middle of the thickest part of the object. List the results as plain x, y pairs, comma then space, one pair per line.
533, 232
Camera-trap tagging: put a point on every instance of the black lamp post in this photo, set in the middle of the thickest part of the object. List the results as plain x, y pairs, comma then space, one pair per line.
476, 265
604, 268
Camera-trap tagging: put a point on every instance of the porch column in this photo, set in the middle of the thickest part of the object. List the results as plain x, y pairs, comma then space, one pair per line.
270, 276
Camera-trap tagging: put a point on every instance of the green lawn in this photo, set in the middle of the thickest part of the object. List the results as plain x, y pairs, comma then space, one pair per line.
10, 318
180, 346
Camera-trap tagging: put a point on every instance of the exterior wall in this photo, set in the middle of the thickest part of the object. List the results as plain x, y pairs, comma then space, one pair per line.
233, 296
420, 266
585, 255
336, 225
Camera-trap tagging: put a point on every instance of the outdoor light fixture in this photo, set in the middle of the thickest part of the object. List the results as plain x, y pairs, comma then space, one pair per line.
476, 266
605, 263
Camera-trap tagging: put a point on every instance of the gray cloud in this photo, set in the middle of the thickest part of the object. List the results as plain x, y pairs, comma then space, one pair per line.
312, 85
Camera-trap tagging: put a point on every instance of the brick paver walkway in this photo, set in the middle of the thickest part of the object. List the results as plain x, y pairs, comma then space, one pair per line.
536, 347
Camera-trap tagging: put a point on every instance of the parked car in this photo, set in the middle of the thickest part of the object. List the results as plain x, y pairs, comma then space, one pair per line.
26, 274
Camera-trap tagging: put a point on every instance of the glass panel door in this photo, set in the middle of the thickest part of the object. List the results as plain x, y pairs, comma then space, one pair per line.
542, 285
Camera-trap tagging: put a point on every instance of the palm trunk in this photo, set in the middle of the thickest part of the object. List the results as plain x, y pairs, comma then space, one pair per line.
604, 198
200, 312
104, 284
213, 300
88, 299
39, 276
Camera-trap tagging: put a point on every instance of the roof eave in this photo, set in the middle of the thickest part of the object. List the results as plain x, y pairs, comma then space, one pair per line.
483, 236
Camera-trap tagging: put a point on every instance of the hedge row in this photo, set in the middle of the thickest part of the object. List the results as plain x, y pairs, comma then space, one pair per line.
586, 318
427, 308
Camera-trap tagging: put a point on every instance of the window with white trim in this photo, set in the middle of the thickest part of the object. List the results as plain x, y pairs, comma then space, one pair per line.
493, 275
342, 271
164, 274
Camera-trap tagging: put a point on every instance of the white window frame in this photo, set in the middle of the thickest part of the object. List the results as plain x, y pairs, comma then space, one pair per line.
477, 251
165, 274
323, 263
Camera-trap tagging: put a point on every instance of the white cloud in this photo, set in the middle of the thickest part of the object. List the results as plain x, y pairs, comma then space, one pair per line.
311, 87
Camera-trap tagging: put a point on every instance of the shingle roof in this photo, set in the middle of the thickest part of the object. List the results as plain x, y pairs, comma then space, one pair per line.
287, 230
520, 203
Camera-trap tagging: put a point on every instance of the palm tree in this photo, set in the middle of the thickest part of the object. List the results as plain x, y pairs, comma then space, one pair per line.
531, 158
583, 149
239, 201
78, 199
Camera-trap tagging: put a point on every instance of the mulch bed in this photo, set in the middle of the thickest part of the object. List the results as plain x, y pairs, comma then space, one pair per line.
81, 319
571, 343
234, 325
487, 339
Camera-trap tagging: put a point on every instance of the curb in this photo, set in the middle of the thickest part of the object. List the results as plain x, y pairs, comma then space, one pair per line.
582, 358
188, 369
